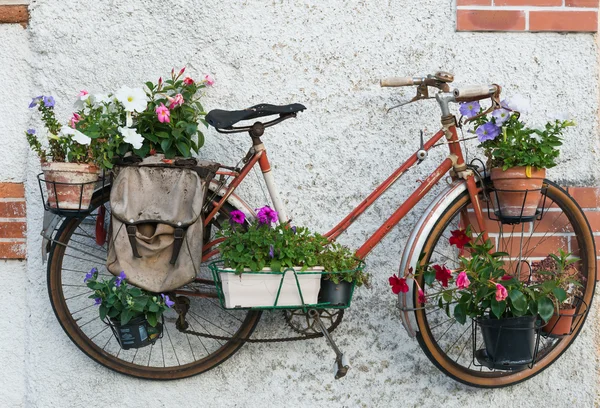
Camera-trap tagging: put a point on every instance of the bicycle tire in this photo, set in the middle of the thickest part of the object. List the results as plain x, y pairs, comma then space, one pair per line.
79, 319
439, 341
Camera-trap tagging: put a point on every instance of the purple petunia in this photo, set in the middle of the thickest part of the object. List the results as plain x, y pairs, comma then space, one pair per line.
272, 252
31, 131
266, 215
294, 229
238, 217
469, 109
35, 101
168, 301
97, 301
90, 274
487, 131
48, 101
501, 116
120, 279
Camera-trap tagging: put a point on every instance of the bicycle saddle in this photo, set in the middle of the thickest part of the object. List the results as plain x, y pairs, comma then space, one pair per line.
225, 119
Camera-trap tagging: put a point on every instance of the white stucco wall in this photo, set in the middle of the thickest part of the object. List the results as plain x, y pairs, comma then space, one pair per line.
328, 56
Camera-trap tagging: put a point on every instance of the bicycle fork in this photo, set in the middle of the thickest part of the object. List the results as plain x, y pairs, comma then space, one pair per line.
341, 365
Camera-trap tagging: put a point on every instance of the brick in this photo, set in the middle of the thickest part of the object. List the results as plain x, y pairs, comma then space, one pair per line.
473, 2
13, 250
12, 209
14, 14
554, 221
12, 230
12, 190
581, 21
582, 3
528, 2
490, 20
534, 246
593, 218
586, 197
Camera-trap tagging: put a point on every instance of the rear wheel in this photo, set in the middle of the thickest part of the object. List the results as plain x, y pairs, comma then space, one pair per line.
450, 345
212, 334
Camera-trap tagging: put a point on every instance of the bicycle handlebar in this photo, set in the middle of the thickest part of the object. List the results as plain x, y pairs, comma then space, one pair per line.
474, 93
399, 81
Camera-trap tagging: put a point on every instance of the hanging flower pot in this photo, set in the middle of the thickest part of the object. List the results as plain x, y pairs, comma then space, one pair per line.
518, 191
137, 333
560, 324
336, 294
69, 186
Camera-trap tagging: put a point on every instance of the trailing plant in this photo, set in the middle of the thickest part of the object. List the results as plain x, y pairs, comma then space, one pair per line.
119, 301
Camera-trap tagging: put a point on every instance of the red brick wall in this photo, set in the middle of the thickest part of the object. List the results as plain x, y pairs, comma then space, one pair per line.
527, 15
14, 13
12, 221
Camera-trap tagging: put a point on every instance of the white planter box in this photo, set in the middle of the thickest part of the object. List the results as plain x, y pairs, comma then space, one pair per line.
260, 290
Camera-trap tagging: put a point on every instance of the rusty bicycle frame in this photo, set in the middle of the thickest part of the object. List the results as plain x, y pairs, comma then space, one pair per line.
455, 161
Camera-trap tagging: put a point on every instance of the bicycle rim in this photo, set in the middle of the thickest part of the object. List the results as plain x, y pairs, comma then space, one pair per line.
176, 354
448, 344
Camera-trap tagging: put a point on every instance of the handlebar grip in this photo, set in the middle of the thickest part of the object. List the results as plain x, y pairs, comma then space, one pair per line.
397, 81
474, 93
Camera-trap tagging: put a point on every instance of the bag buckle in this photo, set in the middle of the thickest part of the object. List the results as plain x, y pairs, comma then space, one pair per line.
131, 231
178, 234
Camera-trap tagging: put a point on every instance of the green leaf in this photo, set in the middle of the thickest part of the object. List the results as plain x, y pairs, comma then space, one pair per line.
103, 312
429, 276
447, 296
560, 294
276, 265
166, 144
153, 307
151, 137
152, 319
162, 135
498, 308
460, 313
191, 128
184, 149
518, 300
125, 316
545, 308
150, 85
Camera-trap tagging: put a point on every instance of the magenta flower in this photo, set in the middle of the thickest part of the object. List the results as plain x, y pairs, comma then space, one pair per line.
459, 238
188, 81
163, 113
501, 292
181, 72
208, 80
238, 217
83, 92
422, 296
442, 274
176, 101
469, 109
462, 281
487, 131
398, 284
74, 119
266, 215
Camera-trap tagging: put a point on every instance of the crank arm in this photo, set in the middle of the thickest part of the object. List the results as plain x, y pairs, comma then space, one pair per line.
341, 365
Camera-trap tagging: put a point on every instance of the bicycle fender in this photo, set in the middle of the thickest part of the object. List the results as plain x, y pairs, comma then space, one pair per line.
416, 240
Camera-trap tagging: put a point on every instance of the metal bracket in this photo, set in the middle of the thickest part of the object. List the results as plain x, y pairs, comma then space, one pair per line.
421, 153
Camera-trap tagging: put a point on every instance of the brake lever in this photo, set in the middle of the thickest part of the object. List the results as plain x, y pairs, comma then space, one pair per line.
422, 93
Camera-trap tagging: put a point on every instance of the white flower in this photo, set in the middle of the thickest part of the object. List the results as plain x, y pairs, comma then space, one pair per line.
77, 136
100, 99
560, 116
81, 98
519, 103
132, 137
132, 99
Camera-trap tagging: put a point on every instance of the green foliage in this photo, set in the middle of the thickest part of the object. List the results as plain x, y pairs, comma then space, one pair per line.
119, 301
489, 288
259, 245
560, 277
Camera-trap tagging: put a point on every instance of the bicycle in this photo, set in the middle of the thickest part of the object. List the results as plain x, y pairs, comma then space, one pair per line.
200, 335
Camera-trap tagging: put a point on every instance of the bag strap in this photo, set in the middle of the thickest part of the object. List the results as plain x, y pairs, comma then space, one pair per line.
131, 230
178, 240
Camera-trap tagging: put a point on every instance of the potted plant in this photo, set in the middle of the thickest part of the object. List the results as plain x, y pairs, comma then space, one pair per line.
562, 271
344, 271
504, 307
517, 155
133, 314
163, 118
265, 264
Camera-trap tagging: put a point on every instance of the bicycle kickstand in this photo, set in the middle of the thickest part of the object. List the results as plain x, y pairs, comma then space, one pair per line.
341, 365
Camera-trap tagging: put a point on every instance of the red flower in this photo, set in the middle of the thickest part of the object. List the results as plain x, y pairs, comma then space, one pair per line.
188, 81
442, 274
459, 238
398, 284
422, 296
506, 277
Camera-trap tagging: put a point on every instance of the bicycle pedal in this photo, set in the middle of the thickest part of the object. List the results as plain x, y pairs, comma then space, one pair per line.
341, 367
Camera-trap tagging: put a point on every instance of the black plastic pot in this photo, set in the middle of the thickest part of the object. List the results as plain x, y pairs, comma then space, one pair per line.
509, 343
136, 333
335, 294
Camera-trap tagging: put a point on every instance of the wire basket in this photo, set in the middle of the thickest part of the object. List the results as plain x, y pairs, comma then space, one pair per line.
69, 199
291, 288
563, 323
516, 206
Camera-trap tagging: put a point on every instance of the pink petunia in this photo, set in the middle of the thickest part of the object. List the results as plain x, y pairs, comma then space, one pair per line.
208, 80
501, 292
74, 119
83, 92
266, 215
238, 217
462, 281
163, 113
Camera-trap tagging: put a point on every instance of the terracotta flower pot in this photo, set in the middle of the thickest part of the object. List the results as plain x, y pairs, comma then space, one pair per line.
525, 192
70, 186
560, 324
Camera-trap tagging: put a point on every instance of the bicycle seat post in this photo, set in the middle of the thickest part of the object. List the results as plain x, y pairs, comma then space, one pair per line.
255, 132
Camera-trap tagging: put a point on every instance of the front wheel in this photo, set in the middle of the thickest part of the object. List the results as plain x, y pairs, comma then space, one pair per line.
450, 345
210, 336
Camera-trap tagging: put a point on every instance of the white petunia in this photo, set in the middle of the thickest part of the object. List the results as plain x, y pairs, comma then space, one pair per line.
560, 116
66, 131
132, 99
100, 99
81, 98
77, 136
519, 103
132, 137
